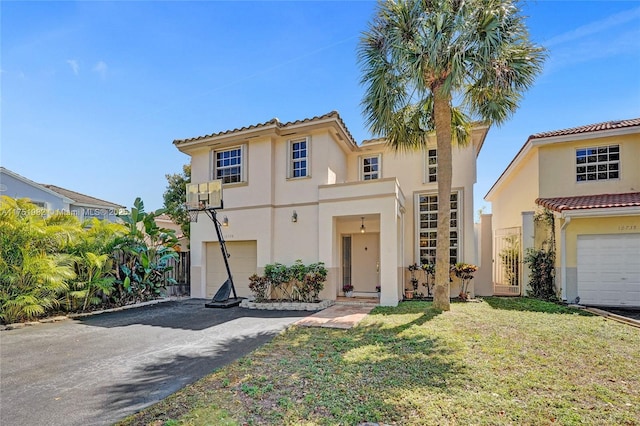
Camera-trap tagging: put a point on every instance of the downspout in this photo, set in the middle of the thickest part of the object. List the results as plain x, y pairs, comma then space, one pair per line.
563, 253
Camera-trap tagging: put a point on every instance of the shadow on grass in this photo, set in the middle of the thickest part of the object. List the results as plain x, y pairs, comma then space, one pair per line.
319, 375
157, 378
425, 309
528, 304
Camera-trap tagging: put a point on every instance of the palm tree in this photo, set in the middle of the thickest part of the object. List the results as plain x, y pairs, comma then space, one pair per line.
418, 57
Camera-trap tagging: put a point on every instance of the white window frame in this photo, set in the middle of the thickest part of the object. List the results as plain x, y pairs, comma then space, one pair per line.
601, 160
363, 174
459, 224
427, 176
243, 163
291, 160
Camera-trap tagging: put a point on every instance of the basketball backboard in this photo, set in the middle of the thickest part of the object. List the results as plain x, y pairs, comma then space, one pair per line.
204, 195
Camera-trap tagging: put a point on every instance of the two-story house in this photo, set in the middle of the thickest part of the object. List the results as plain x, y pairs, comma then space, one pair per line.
54, 199
306, 190
589, 177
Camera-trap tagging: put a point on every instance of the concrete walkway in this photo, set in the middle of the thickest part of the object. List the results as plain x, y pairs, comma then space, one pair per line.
342, 316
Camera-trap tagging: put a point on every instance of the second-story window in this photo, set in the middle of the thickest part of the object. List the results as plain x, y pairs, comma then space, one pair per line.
599, 163
431, 172
299, 158
370, 167
228, 165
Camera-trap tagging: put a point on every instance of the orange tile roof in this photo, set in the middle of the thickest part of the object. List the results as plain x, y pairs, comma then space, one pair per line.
607, 125
272, 122
583, 202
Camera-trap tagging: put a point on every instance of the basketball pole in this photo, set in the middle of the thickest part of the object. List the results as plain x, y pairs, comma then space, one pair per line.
207, 196
223, 247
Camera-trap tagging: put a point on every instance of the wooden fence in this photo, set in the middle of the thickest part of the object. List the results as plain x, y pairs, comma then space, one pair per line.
180, 273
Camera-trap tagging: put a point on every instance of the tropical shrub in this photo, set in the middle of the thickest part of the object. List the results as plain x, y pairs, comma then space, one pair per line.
259, 286
144, 254
542, 260
94, 281
32, 286
298, 282
55, 262
33, 274
542, 276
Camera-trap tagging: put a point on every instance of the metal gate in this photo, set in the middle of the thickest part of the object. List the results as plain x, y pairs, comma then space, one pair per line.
507, 262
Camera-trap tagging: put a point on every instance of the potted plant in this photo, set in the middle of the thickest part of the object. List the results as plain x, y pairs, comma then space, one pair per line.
464, 272
348, 290
378, 290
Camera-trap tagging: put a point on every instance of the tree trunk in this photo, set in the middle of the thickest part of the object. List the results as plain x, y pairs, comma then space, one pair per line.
442, 115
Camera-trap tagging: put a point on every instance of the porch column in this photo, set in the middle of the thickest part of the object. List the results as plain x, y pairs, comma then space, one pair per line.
389, 255
326, 244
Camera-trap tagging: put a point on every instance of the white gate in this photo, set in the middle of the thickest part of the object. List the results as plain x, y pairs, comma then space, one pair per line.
507, 262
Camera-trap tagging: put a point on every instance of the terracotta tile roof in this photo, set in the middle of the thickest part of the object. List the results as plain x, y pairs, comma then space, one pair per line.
600, 201
607, 125
272, 122
82, 198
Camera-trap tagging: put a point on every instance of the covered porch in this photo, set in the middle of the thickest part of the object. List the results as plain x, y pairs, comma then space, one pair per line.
361, 228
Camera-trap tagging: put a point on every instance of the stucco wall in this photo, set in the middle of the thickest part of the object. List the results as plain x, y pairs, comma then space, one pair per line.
408, 168
558, 168
516, 194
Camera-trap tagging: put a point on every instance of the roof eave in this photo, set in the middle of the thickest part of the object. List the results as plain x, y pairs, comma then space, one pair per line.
484, 128
601, 212
219, 139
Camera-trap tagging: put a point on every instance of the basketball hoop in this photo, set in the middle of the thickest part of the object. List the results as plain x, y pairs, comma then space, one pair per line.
193, 215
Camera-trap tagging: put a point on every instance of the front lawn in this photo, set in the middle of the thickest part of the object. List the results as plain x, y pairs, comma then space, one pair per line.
503, 361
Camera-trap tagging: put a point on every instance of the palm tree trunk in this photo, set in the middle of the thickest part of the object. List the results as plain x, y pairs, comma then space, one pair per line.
442, 115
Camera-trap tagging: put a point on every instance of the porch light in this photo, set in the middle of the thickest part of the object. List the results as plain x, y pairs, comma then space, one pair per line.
294, 217
362, 228
225, 222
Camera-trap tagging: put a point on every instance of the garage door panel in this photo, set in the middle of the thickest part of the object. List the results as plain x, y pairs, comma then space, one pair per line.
609, 269
242, 262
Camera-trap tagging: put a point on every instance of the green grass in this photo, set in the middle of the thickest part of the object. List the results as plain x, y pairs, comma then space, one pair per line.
503, 361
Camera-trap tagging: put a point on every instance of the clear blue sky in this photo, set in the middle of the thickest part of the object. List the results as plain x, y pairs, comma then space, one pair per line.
94, 93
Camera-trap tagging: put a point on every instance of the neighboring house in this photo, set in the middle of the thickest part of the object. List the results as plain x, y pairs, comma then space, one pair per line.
53, 199
589, 177
306, 190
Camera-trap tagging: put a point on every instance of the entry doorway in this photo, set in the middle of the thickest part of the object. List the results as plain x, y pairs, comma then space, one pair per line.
361, 262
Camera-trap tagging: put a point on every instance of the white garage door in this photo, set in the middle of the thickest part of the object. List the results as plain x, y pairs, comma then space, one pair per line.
609, 270
243, 264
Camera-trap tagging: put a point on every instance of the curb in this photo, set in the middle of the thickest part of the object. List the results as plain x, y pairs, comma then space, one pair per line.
615, 317
59, 318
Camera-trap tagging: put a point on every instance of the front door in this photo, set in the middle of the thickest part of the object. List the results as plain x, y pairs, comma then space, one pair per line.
365, 262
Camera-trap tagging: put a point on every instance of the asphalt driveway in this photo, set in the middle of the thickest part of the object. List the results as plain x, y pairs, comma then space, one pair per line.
98, 369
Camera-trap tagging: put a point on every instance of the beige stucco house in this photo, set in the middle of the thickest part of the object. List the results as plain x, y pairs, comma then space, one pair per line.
589, 177
305, 190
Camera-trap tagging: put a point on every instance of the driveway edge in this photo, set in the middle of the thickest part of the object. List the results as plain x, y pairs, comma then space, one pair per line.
47, 320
